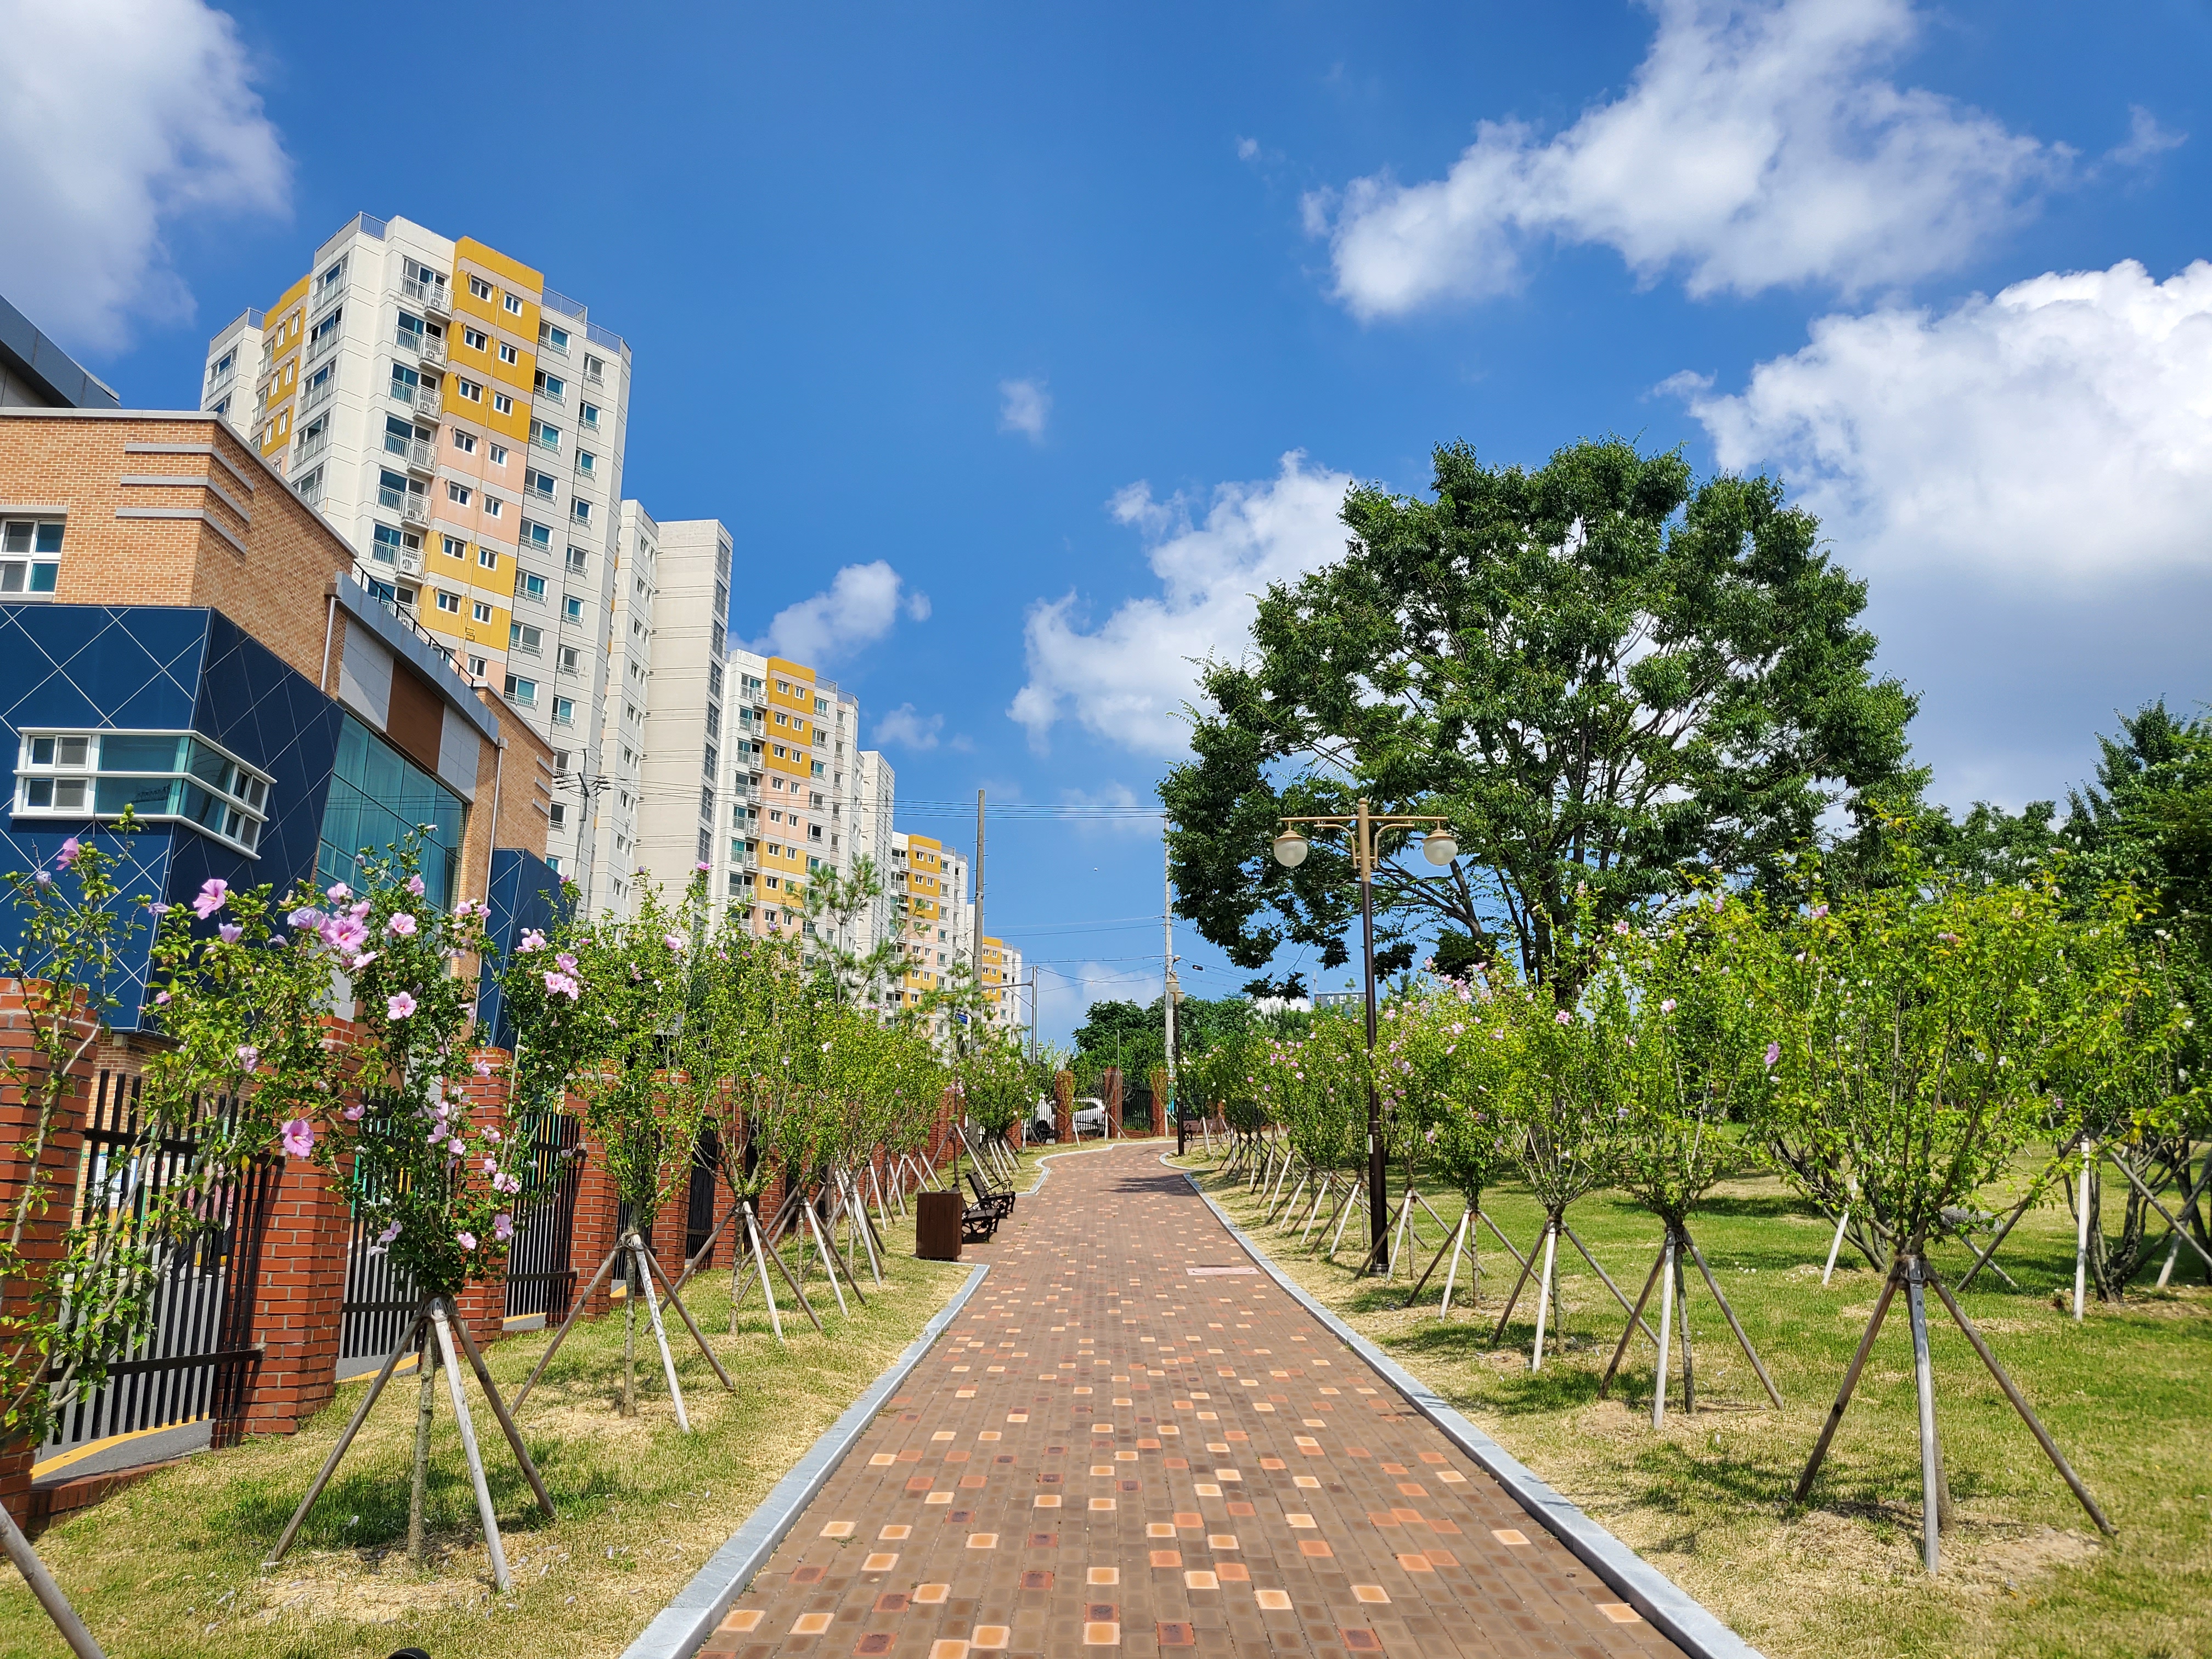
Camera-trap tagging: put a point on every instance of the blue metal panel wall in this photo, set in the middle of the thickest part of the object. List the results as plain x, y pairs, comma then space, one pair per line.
526, 893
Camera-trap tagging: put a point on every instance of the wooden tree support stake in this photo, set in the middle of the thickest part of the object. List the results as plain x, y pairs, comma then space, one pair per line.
352, 1428
1850, 1382
46, 1590
1734, 1324
1596, 1268
561, 1336
692, 1325
501, 1577
1636, 1320
505, 1418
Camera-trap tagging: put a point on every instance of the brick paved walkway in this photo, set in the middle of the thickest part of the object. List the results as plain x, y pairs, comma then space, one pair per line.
1132, 1438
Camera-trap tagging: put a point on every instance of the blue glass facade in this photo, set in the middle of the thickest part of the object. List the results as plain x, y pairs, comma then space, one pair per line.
526, 893
334, 785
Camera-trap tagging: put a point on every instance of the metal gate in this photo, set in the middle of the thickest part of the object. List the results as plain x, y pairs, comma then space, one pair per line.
699, 1201
194, 1362
380, 1299
540, 1279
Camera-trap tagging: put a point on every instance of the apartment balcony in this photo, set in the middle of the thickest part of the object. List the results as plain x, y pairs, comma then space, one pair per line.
434, 296
316, 395
429, 348
310, 488
320, 346
419, 456
325, 295
310, 446
221, 377
423, 399
555, 393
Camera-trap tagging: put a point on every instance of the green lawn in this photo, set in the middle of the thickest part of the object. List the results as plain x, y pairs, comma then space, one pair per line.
2128, 1395
172, 1566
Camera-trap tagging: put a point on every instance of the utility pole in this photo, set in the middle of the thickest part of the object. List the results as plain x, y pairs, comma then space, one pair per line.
1167, 961
1033, 1049
976, 945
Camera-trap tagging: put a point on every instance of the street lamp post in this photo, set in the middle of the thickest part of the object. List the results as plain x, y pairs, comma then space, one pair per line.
1291, 845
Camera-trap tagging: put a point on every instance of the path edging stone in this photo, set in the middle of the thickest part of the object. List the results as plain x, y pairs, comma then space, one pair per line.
679, 1629
1664, 1603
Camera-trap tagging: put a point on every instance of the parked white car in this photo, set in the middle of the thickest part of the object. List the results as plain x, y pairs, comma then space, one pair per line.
1090, 1119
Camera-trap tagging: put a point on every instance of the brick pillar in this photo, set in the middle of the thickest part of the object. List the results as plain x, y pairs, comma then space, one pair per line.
1160, 1101
597, 1208
482, 1302
296, 1297
1111, 1086
1063, 1096
43, 1235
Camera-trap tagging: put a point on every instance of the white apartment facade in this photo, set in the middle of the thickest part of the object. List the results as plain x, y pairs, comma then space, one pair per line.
613, 793
686, 738
463, 425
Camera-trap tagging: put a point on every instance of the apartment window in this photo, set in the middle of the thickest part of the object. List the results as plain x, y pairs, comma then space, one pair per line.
479, 288
537, 535
479, 666
780, 752
551, 386
493, 506
513, 304
594, 369
32, 550
705, 846
579, 559
545, 435
411, 332
714, 722
713, 759
580, 511
570, 661
706, 802
552, 338
460, 494
221, 365
507, 354
449, 602
324, 333
501, 404
721, 637
714, 679
385, 545
572, 610
488, 559
589, 415
530, 584
468, 389
465, 441
309, 484
171, 775
817, 769
456, 548
522, 690
480, 611
587, 464
521, 637
499, 454
539, 483
558, 814
405, 382
475, 339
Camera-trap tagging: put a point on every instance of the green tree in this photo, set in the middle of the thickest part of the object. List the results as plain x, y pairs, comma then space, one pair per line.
1602, 671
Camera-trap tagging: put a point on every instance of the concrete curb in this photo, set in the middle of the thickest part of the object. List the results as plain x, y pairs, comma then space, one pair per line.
678, 1629
1665, 1604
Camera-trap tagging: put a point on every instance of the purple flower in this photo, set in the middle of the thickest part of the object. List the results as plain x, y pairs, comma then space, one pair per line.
401, 923
44, 878
1773, 1054
563, 985
67, 856
566, 962
701, 867
212, 894
503, 1226
388, 1234
467, 1241
1668, 1006
414, 886
399, 1005
531, 941
157, 911
1818, 911
352, 1113
338, 895
248, 1057
484, 1069
231, 932
1563, 1018
674, 942
299, 1138
456, 1148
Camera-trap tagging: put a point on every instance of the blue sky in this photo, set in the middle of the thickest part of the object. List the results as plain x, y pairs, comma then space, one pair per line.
1079, 318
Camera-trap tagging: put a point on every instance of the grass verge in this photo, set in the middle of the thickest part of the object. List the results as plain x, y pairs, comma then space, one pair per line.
1705, 1499
172, 1566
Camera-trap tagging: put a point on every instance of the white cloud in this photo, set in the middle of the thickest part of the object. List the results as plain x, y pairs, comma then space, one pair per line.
861, 606
118, 121
1026, 407
1247, 149
1758, 146
904, 727
1127, 680
2059, 432
2146, 138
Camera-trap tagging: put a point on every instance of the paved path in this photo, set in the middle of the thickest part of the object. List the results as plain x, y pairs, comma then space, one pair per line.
1131, 1438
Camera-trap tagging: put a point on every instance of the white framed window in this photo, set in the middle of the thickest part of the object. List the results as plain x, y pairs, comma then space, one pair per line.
481, 612
449, 602
521, 637
456, 548
545, 435
30, 557
177, 777
530, 584
474, 338
501, 404
477, 666
586, 463
492, 506
521, 691
507, 354
552, 338
465, 441
479, 288
580, 511
468, 389
458, 493
579, 560
589, 415
564, 714
513, 303
572, 609
488, 558
570, 661
499, 454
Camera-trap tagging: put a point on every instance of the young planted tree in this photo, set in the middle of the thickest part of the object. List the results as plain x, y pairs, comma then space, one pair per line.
437, 1181
1912, 1024
1468, 1051
1699, 1057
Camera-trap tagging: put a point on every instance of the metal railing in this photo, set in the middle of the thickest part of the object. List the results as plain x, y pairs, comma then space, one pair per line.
433, 295
430, 348
317, 395
319, 345
311, 445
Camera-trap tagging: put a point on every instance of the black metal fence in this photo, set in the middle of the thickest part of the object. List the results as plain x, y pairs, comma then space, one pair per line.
379, 1299
194, 1358
699, 1199
539, 1280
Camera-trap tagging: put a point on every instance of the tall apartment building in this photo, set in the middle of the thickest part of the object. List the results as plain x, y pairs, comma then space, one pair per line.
613, 793
936, 918
751, 763
462, 426
999, 969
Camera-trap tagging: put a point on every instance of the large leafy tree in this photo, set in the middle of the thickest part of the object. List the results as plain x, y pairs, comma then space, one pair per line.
1607, 674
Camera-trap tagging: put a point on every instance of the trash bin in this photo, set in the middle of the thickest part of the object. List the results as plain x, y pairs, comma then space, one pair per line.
937, 1225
